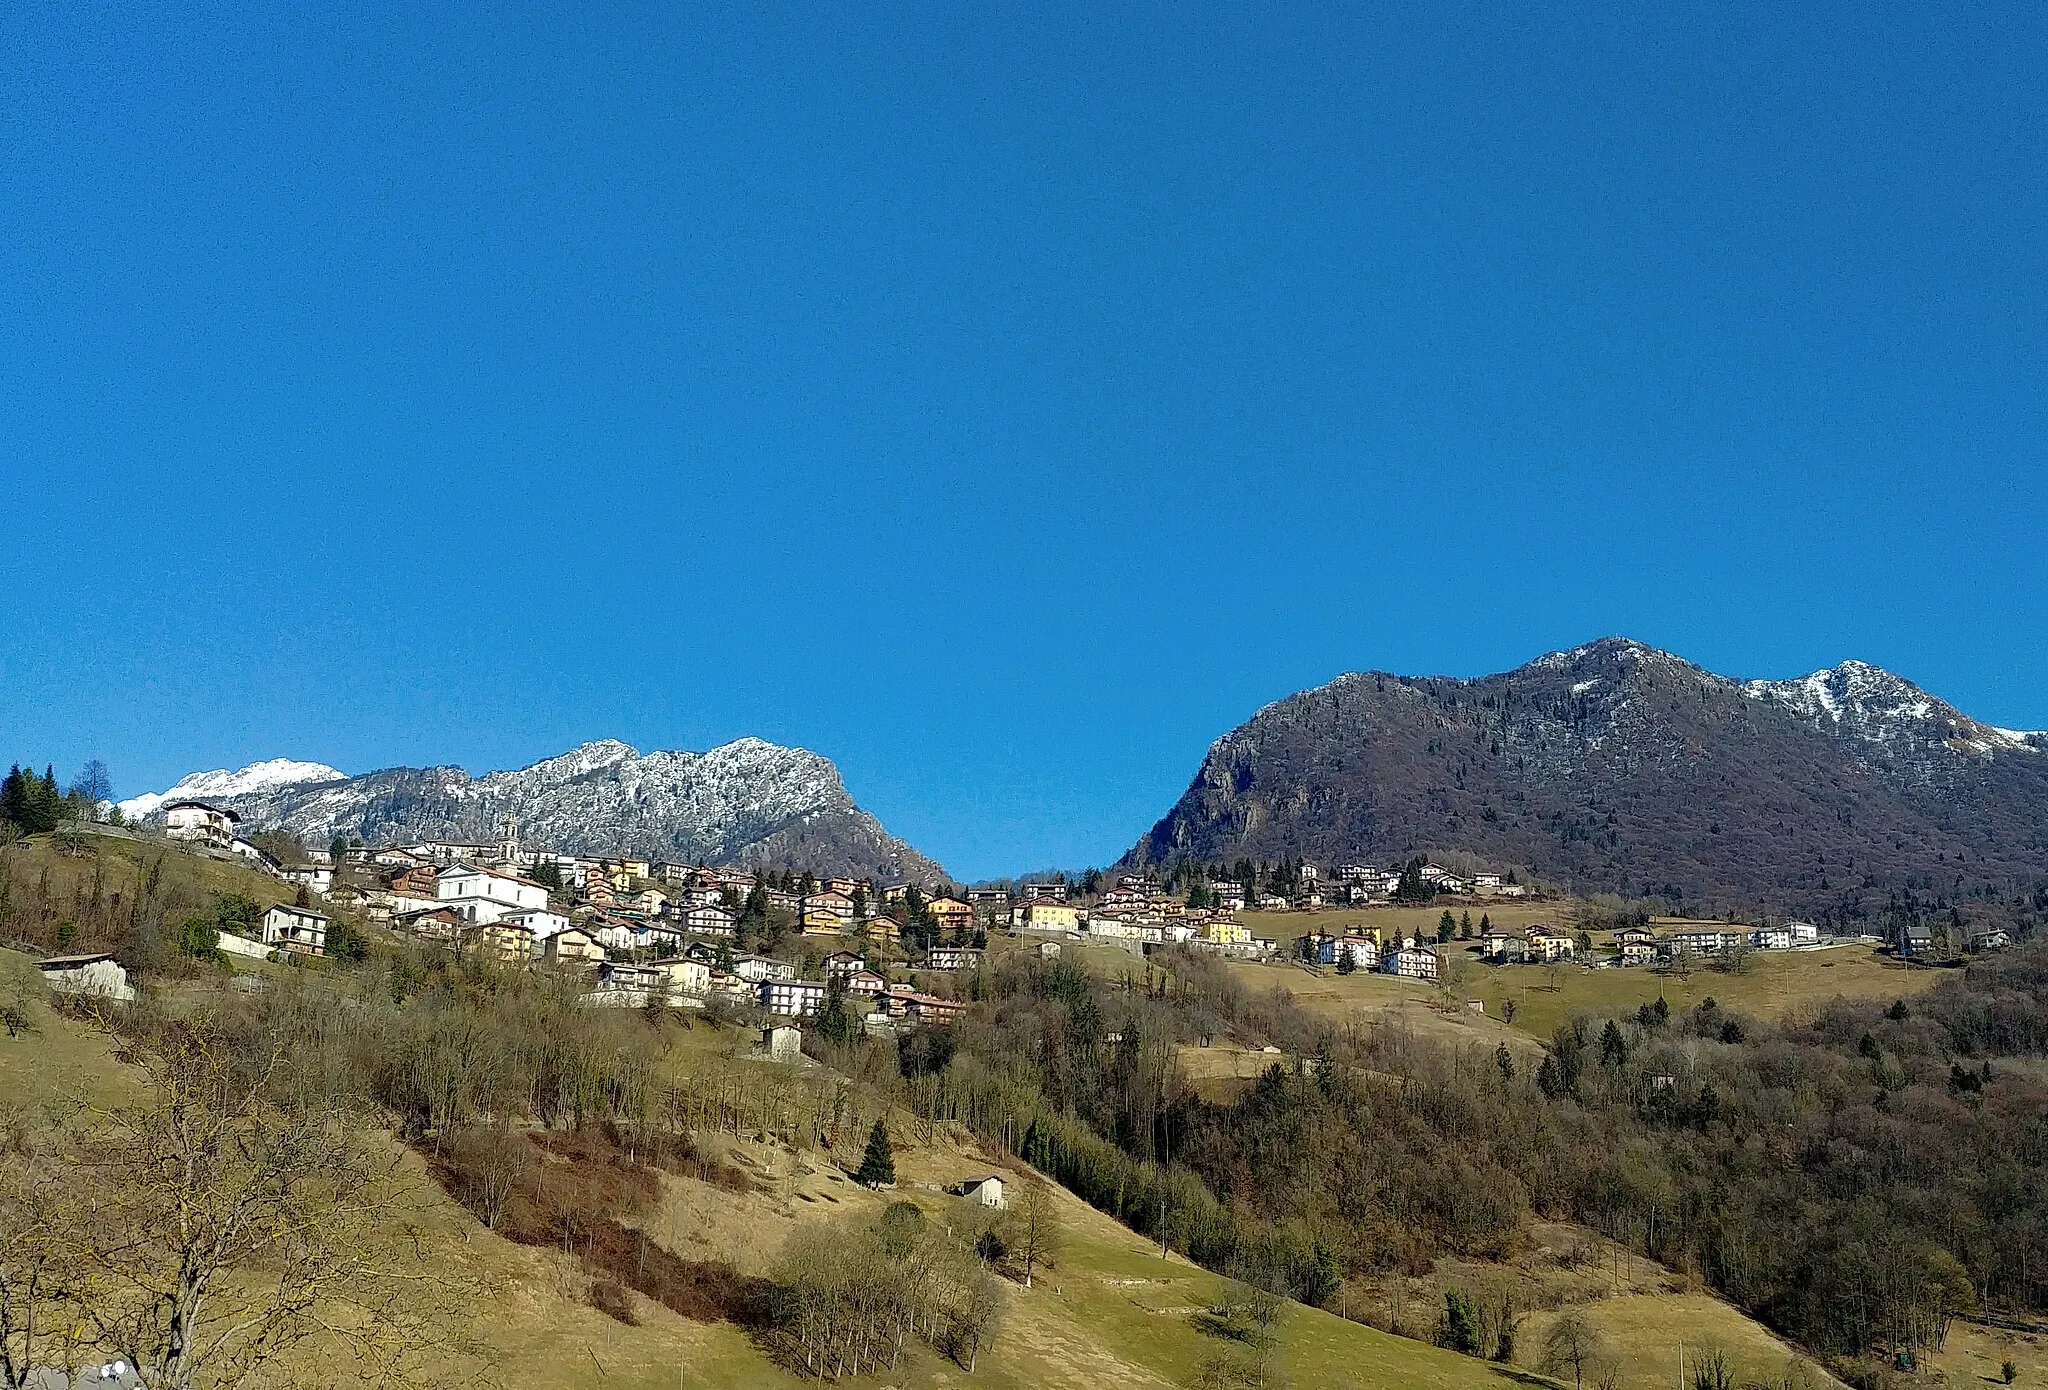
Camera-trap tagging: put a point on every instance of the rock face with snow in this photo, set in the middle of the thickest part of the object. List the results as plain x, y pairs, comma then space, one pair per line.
747, 802
221, 785
1619, 768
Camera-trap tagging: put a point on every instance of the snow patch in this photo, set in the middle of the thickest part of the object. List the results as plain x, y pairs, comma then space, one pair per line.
221, 784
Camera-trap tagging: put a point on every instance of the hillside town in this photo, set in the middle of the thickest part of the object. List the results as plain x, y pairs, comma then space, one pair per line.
878, 957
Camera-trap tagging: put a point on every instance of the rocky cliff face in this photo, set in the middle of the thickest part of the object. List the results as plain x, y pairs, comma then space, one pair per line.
1618, 768
746, 802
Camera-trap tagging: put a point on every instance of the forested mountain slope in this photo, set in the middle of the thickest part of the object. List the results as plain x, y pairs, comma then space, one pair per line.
1618, 768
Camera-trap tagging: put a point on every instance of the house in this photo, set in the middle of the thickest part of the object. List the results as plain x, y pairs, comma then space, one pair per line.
1223, 931
483, 896
505, 939
396, 857
843, 963
1485, 883
844, 887
1043, 892
985, 1191
429, 924
866, 983
1048, 949
1310, 873
1995, 939
597, 891
953, 958
781, 901
826, 914
573, 946
1228, 897
629, 985
951, 914
1122, 897
1047, 916
684, 976
799, 998
883, 928
1547, 944
756, 969
895, 892
650, 900
710, 921
198, 823
782, 1043
315, 878
1411, 963
1637, 953
1502, 946
1803, 933
1697, 942
417, 881
299, 930
1272, 902
97, 974
1364, 951
1772, 938
928, 1008
543, 922
1642, 935
988, 897
263, 859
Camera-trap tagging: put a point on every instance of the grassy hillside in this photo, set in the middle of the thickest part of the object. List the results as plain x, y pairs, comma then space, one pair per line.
1772, 985
1110, 1312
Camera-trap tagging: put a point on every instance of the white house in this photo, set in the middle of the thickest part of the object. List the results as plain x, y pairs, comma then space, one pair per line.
1803, 933
1412, 963
316, 878
756, 969
97, 974
1637, 953
1772, 938
199, 823
485, 895
710, 921
800, 998
953, 958
543, 922
296, 929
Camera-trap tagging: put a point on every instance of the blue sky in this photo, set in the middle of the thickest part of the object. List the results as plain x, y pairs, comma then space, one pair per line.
1002, 400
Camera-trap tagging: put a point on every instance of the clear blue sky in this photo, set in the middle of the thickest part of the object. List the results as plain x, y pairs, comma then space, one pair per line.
1001, 400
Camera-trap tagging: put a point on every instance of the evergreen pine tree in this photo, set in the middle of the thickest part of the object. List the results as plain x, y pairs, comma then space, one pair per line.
878, 1164
835, 1025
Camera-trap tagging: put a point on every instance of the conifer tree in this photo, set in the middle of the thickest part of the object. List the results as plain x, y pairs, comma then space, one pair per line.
878, 1164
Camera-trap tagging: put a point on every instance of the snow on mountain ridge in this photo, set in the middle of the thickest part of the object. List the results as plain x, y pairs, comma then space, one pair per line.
1857, 700
221, 784
745, 801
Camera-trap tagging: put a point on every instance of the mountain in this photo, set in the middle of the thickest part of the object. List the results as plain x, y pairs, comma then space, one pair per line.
746, 802
1619, 768
222, 785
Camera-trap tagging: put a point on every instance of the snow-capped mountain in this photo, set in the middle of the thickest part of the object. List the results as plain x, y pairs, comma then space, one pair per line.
746, 802
1869, 704
221, 785
1617, 767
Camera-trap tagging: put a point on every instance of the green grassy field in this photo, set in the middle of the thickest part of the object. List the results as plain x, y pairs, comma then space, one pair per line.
1773, 985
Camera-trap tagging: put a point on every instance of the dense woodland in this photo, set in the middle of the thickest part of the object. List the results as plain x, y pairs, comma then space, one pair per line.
1854, 1181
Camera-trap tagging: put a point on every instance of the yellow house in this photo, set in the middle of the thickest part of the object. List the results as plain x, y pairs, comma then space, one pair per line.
951, 913
1048, 916
1224, 932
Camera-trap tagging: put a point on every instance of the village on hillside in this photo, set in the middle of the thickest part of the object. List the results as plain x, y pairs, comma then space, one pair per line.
857, 957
